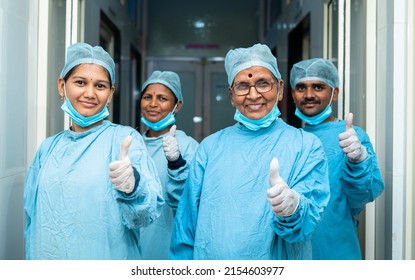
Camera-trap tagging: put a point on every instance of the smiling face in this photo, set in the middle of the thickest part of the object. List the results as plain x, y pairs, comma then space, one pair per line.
312, 97
255, 105
157, 101
88, 89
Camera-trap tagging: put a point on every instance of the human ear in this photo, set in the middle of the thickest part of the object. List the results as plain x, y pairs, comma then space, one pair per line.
335, 93
61, 87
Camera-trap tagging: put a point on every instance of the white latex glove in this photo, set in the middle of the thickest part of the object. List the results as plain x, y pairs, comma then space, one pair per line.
350, 143
121, 171
284, 201
170, 145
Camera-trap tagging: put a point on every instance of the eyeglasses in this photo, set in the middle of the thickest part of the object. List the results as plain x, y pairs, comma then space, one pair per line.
260, 86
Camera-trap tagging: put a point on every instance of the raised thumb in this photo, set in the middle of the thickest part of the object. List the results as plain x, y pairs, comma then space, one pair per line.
125, 146
274, 176
349, 121
173, 130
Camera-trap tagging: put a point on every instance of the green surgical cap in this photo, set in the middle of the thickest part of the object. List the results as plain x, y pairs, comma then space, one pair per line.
169, 79
240, 59
316, 69
80, 53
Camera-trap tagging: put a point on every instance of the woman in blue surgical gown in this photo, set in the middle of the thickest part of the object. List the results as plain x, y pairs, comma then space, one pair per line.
171, 149
257, 189
92, 187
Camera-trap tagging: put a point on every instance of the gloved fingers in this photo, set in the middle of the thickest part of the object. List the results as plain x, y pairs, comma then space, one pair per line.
288, 205
349, 141
355, 155
344, 135
117, 167
171, 152
345, 143
285, 210
169, 140
276, 202
347, 134
280, 208
352, 147
172, 155
126, 187
121, 171
275, 191
121, 176
171, 148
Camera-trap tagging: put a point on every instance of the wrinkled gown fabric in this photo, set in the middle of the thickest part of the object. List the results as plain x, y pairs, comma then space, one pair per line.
224, 212
352, 186
156, 237
72, 209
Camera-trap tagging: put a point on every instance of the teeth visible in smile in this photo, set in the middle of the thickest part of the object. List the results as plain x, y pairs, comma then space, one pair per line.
255, 106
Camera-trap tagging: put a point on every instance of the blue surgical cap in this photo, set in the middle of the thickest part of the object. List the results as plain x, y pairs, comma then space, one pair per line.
239, 59
315, 69
80, 53
169, 79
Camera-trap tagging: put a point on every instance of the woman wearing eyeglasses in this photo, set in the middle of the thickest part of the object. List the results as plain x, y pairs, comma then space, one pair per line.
257, 189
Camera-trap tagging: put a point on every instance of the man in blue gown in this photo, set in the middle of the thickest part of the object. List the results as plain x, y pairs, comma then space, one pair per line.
355, 177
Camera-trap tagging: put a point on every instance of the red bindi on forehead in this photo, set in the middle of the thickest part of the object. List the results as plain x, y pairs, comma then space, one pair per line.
250, 75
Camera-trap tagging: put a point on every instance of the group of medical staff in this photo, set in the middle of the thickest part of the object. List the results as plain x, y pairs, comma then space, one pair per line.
259, 189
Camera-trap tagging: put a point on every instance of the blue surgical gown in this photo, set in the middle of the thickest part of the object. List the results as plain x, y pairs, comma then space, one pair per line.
352, 186
73, 211
224, 212
156, 237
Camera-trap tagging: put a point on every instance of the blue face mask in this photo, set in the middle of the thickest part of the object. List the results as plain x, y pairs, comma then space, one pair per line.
263, 122
80, 120
161, 124
319, 118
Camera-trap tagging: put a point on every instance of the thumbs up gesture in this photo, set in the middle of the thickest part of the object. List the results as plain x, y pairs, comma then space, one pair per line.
284, 201
170, 145
350, 143
121, 171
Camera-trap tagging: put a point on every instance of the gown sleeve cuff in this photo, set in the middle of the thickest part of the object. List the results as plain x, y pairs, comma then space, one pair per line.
173, 165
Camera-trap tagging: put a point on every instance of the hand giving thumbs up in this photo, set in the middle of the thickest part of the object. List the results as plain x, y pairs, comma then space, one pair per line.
121, 171
284, 201
170, 145
350, 143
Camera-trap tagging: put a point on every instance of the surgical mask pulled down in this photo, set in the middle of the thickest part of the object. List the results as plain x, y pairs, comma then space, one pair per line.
263, 122
163, 123
319, 118
80, 120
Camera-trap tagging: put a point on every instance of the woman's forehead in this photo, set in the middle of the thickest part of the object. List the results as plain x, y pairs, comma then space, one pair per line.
254, 72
